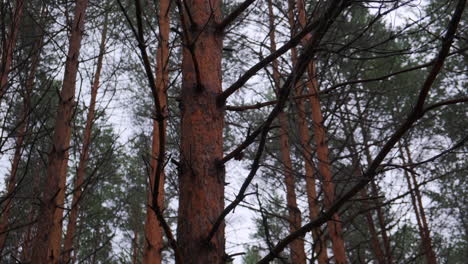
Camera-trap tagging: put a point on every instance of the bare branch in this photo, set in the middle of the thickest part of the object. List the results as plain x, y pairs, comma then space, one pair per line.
236, 13
416, 114
335, 7
322, 26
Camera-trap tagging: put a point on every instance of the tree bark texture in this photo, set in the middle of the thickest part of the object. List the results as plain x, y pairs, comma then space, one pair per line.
47, 243
320, 244
201, 179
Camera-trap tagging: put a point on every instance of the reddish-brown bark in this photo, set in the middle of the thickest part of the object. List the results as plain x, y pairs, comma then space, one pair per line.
415, 114
334, 225
320, 246
8, 49
201, 179
81, 171
47, 243
295, 218
152, 252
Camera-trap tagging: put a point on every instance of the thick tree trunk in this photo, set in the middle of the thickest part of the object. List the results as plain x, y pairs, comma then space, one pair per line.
8, 49
81, 171
47, 243
4, 219
152, 252
295, 218
418, 207
201, 178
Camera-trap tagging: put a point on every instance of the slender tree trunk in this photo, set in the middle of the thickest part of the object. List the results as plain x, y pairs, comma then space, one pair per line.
4, 218
47, 244
418, 207
81, 171
201, 178
295, 218
8, 49
334, 225
152, 252
320, 246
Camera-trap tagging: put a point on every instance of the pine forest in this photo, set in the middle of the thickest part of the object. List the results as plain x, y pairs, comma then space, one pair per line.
235, 131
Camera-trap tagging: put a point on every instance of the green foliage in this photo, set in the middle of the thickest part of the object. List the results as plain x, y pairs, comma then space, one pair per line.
251, 256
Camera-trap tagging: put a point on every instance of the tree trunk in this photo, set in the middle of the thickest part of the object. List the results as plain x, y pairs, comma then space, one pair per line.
294, 217
418, 207
47, 243
25, 112
8, 49
152, 253
320, 244
81, 171
334, 225
201, 178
